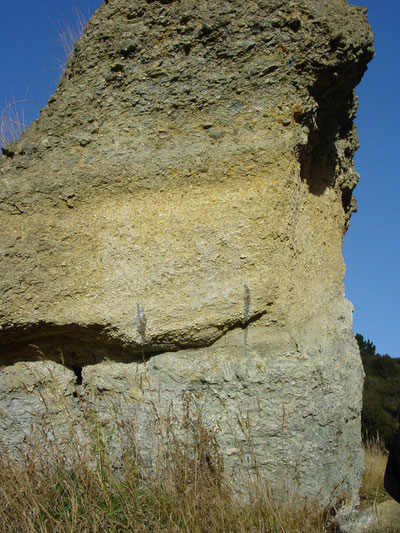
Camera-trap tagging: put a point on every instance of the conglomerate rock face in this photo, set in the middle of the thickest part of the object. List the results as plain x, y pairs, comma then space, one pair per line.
178, 209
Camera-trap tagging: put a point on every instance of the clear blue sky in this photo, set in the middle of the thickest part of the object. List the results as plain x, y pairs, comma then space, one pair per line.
30, 68
371, 246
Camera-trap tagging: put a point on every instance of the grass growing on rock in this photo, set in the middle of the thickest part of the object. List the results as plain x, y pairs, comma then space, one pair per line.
92, 476
74, 484
12, 120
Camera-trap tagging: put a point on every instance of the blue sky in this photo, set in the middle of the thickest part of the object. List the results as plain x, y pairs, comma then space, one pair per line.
31, 65
371, 246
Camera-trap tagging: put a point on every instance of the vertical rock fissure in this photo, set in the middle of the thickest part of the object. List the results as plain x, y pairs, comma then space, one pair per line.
245, 321
78, 373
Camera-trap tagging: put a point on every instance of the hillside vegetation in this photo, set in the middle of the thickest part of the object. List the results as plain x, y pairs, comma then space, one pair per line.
381, 393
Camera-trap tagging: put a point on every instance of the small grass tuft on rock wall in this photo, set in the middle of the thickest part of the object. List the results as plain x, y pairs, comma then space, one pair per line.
12, 115
12, 121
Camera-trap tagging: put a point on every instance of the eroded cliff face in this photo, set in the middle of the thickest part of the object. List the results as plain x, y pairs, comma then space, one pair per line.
178, 210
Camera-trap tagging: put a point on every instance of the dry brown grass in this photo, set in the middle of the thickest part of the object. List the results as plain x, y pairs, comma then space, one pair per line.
372, 489
12, 120
74, 485
69, 34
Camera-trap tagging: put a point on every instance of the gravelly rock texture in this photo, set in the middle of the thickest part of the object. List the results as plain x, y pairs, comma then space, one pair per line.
381, 518
182, 200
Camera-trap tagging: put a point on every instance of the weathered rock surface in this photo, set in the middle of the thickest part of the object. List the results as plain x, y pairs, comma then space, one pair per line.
182, 200
381, 518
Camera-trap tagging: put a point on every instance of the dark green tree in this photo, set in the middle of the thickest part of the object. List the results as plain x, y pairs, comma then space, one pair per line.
381, 392
367, 348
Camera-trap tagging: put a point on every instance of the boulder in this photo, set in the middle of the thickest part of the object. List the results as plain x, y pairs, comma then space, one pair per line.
178, 210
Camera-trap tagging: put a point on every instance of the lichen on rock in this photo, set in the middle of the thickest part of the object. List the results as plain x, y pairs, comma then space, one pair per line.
182, 200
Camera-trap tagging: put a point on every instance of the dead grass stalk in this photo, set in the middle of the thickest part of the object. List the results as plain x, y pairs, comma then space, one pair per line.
375, 459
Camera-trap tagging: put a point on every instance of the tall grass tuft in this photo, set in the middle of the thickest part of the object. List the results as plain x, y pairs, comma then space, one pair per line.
68, 34
375, 459
75, 484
